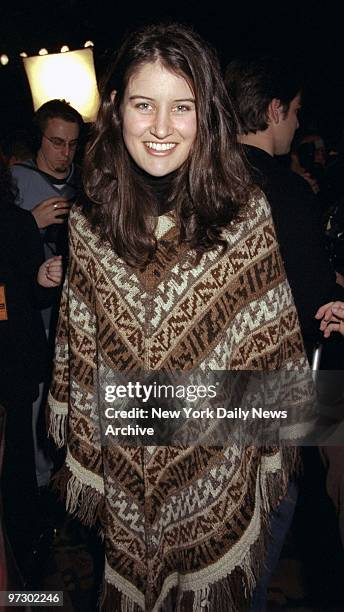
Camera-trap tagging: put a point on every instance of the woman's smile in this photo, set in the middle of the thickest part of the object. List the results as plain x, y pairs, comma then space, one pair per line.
160, 148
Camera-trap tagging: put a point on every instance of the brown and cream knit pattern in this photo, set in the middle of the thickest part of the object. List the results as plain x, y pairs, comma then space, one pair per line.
184, 527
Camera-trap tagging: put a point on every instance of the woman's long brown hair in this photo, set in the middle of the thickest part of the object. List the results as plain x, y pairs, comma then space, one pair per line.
208, 190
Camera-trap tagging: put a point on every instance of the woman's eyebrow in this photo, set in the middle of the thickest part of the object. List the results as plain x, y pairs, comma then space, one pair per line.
134, 97
137, 96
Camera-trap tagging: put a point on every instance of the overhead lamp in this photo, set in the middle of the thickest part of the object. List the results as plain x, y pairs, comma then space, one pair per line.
4, 59
43, 51
64, 49
68, 76
23, 54
89, 43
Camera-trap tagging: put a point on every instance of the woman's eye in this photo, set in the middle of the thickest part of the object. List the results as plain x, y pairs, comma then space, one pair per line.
144, 106
181, 108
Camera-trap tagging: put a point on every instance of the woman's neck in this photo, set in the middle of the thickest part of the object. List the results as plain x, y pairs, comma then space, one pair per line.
160, 187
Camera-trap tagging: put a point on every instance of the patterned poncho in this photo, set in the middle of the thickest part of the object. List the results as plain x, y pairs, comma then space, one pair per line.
184, 526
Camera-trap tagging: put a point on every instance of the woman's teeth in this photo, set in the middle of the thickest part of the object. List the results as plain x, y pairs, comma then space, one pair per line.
160, 146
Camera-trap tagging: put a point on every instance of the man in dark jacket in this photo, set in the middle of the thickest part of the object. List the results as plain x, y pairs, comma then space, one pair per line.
267, 98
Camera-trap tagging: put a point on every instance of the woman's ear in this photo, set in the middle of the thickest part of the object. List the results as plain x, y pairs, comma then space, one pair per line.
113, 95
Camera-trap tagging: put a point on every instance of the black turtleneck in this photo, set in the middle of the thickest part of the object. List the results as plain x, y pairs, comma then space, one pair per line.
159, 186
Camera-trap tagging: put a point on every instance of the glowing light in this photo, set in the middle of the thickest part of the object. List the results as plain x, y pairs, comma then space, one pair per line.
64, 49
23, 54
4, 59
69, 76
43, 52
89, 43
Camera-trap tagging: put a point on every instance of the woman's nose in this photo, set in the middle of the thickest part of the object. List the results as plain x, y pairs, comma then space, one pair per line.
162, 127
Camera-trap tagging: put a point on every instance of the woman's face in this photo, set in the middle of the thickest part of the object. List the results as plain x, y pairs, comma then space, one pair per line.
159, 119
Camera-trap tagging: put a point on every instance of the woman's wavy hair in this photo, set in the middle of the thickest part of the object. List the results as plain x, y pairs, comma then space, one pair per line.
208, 190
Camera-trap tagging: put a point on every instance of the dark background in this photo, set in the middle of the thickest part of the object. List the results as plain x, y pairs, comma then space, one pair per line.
310, 34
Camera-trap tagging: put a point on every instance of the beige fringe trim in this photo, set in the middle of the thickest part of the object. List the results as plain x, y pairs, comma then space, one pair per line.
82, 501
127, 604
126, 589
201, 599
57, 421
85, 477
83, 491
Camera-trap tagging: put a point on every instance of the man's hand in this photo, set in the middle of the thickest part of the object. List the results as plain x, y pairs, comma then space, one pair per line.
339, 279
50, 272
332, 318
49, 211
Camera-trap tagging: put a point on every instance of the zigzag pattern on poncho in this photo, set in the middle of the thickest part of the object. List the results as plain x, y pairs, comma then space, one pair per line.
184, 527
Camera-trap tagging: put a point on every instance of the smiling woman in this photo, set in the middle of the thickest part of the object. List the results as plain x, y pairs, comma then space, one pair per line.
174, 268
159, 119
166, 113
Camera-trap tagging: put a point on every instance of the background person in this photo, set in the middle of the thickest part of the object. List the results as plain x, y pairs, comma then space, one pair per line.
331, 317
27, 285
267, 96
46, 182
46, 186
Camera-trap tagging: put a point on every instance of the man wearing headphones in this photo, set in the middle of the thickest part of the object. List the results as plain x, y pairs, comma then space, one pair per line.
47, 186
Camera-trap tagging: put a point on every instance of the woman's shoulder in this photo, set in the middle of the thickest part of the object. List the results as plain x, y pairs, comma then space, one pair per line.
82, 236
84, 239
78, 221
250, 218
258, 208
